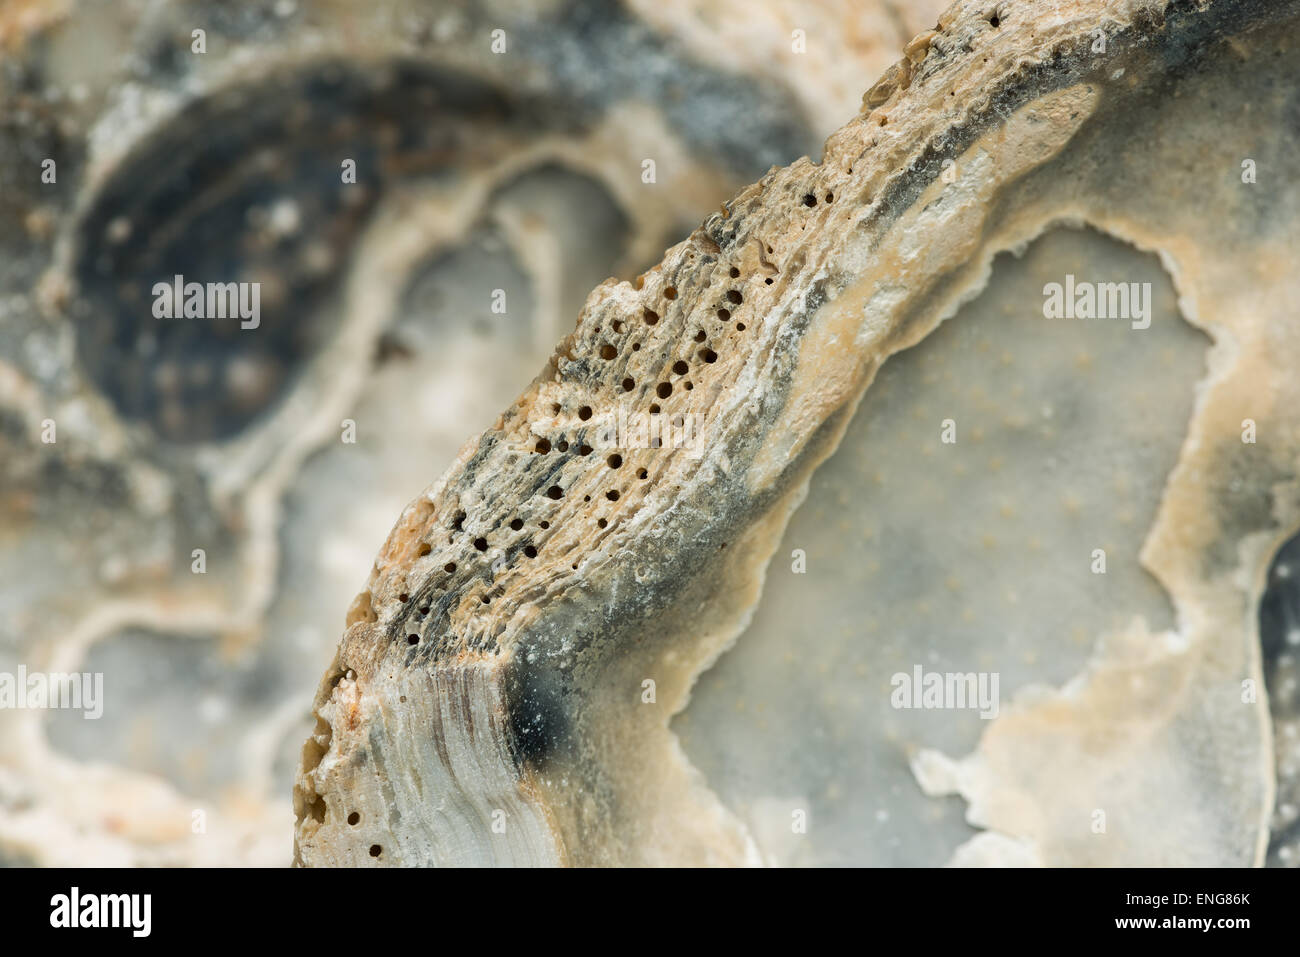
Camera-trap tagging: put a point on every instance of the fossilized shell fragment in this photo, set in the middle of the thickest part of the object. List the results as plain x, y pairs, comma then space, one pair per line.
504, 689
378, 349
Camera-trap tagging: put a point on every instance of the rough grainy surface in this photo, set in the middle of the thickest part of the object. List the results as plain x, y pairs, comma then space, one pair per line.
523, 601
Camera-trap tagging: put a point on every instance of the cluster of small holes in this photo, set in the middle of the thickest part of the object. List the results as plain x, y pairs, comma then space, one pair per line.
608, 351
480, 543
